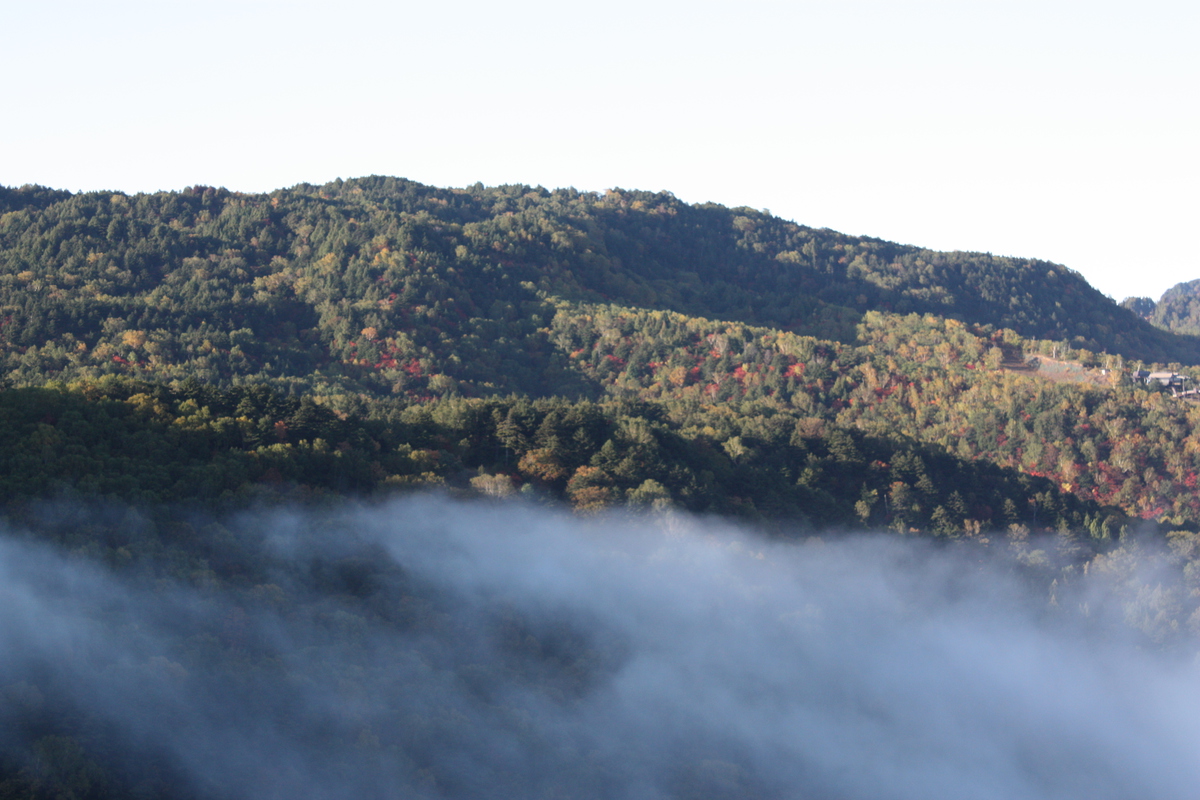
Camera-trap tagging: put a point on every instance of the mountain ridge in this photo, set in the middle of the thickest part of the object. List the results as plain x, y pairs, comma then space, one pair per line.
634, 248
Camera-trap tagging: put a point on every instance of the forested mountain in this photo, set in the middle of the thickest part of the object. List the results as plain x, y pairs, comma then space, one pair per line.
361, 291
173, 360
1178, 310
736, 333
373, 283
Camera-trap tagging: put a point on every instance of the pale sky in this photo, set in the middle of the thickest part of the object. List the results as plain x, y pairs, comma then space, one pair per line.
1059, 130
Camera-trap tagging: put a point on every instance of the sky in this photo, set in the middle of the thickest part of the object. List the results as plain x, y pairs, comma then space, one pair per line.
1054, 129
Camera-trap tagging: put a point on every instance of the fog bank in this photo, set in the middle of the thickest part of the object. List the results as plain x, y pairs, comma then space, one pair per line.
428, 648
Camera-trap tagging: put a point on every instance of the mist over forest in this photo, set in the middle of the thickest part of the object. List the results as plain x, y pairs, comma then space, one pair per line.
428, 647
377, 489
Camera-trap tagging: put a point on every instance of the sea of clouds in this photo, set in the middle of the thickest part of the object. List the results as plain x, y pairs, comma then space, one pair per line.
435, 648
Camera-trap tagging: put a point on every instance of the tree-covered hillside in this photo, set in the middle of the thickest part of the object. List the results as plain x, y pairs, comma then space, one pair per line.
383, 285
1178, 310
737, 334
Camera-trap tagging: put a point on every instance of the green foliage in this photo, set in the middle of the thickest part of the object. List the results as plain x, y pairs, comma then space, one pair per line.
385, 286
386, 300
1178, 310
131, 441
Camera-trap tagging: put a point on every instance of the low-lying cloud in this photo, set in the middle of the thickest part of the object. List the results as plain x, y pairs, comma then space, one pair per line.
428, 648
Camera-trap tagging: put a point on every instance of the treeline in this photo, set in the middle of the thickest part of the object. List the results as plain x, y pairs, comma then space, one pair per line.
150, 444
